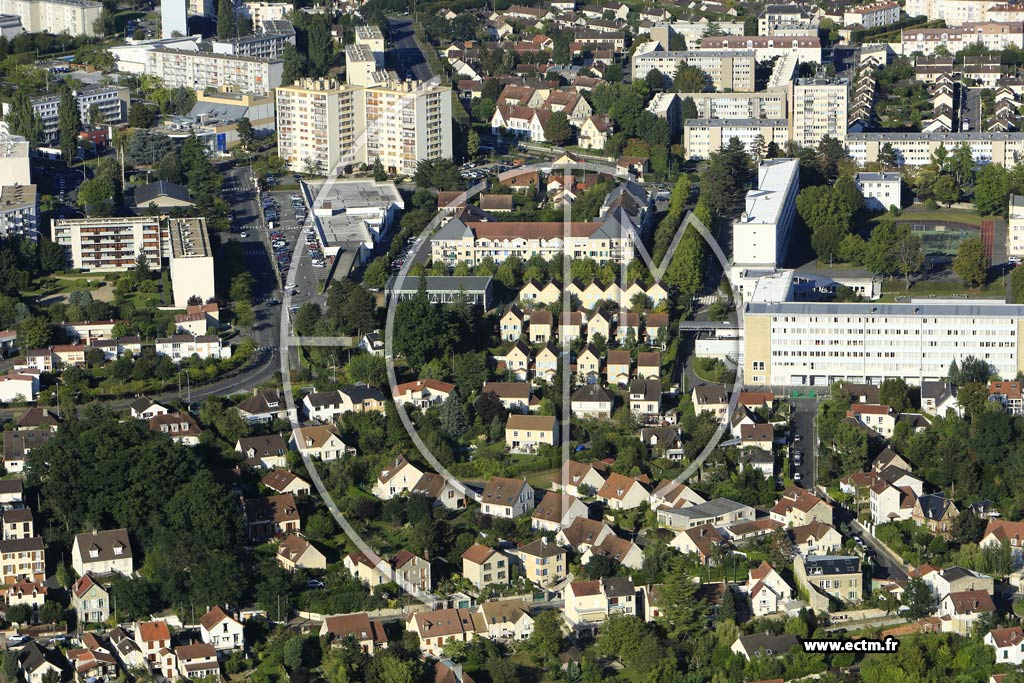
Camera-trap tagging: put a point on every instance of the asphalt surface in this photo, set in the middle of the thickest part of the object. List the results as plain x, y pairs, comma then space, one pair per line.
405, 55
804, 412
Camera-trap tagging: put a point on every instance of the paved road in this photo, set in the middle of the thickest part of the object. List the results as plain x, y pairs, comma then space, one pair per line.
405, 55
886, 564
803, 422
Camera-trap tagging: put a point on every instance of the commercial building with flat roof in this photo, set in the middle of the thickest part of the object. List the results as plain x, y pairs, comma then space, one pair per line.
446, 289
790, 343
353, 212
190, 260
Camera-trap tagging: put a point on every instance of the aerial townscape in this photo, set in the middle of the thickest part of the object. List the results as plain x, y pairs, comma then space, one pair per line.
463, 341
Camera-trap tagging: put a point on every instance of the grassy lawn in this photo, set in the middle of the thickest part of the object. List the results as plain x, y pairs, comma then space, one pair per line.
892, 288
541, 480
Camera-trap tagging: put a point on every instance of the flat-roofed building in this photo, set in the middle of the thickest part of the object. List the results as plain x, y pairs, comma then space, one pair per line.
74, 17
804, 343
111, 102
18, 211
200, 70
445, 289
704, 137
726, 69
110, 244
1015, 231
14, 166
347, 213
805, 48
762, 232
819, 108
916, 149
872, 15
191, 260
880, 190
768, 104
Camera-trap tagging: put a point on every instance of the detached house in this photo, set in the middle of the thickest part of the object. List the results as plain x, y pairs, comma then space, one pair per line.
798, 507
579, 479
506, 619
423, 393
295, 552
503, 497
527, 433
541, 324
703, 541
221, 630
617, 368
936, 512
482, 566
960, 611
90, 600
271, 516
544, 563
998, 531
397, 478
767, 590
645, 398
514, 396
588, 365
1008, 644
711, 398
153, 639
536, 292
583, 533
556, 511
320, 442
37, 661
592, 401
618, 550
264, 406
362, 398
181, 427
368, 635
437, 628
102, 552
879, 418
283, 481
322, 406
589, 603
197, 661
263, 451
511, 323
620, 492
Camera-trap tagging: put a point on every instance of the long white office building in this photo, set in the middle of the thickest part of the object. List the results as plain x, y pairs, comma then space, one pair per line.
762, 233
74, 17
790, 343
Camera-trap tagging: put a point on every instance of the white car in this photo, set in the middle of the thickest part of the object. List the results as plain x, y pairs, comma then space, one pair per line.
290, 286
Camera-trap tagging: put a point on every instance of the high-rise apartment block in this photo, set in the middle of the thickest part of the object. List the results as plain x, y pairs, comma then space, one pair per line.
74, 17
174, 18
819, 108
322, 124
111, 102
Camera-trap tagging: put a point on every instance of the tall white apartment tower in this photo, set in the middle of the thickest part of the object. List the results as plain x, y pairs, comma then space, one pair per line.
173, 18
818, 108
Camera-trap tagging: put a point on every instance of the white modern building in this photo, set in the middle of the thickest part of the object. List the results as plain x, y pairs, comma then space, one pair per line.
190, 260
763, 231
324, 124
767, 104
880, 190
200, 70
74, 17
819, 108
872, 15
173, 18
111, 103
354, 214
805, 48
916, 149
110, 244
1015, 226
14, 166
790, 343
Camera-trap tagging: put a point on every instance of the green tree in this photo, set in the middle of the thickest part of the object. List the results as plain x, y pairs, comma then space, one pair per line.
246, 133
225, 20
945, 190
319, 49
69, 124
545, 643
655, 80
682, 611
22, 120
918, 599
971, 262
849, 194
895, 393
376, 274
909, 253
557, 129
379, 174
34, 332
368, 369
18, 614
452, 416
689, 79
992, 190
